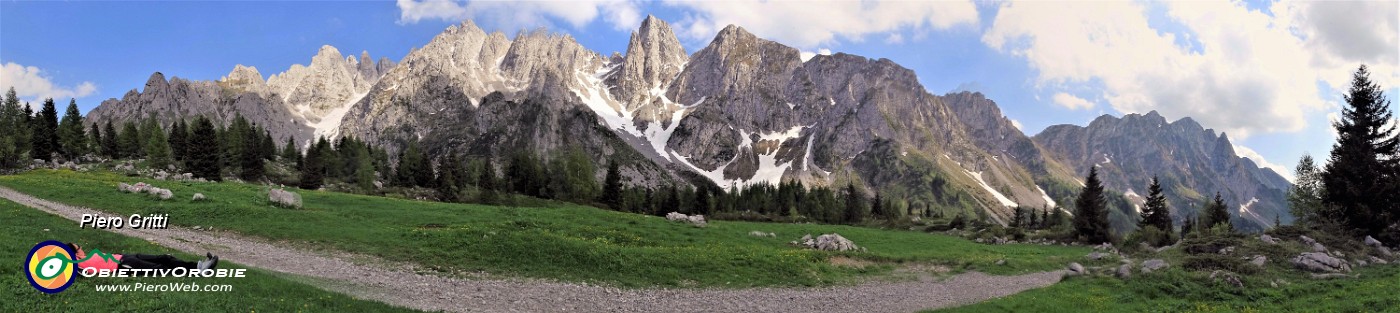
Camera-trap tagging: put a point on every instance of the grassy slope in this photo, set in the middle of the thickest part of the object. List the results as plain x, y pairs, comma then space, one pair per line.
566, 241
21, 227
1180, 291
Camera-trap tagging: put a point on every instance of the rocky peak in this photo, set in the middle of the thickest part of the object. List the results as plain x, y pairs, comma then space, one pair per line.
156, 82
654, 59
738, 64
244, 79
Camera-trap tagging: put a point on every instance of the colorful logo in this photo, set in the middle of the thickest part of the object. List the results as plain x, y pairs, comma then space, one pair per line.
49, 266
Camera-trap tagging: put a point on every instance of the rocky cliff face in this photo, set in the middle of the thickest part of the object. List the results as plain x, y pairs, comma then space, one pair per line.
742, 110
1192, 163
301, 103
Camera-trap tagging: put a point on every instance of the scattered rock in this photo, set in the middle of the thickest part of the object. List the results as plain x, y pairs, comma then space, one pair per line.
198, 197
1154, 264
1307, 240
1075, 269
1360, 263
1227, 278
1371, 241
1125, 271
283, 198
1318, 247
697, 220
1163, 248
1259, 260
1377, 260
1227, 250
1320, 262
827, 242
1001, 262
1327, 275
198, 227
1096, 255
762, 234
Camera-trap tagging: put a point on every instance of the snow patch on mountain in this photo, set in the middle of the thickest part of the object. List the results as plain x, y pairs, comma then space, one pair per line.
1250, 214
329, 125
1000, 197
1046, 196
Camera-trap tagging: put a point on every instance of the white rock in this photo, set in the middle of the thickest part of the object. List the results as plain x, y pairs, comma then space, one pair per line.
1154, 264
284, 198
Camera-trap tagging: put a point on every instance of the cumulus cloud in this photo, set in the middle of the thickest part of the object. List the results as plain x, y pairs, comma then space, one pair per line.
1259, 160
1072, 102
510, 15
33, 85
807, 24
1232, 68
1017, 124
807, 55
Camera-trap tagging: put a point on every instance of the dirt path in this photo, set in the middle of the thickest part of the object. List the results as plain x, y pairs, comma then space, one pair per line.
399, 284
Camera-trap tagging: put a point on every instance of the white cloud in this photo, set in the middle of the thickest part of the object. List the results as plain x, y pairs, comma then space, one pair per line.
1072, 102
1258, 159
1231, 68
894, 39
806, 24
807, 55
32, 85
1016, 123
512, 15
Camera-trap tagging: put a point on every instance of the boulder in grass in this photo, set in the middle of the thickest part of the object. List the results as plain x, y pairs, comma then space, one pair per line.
198, 197
283, 198
675, 216
165, 194
1154, 264
697, 220
827, 242
1268, 239
123, 187
1075, 269
762, 234
1227, 278
1320, 262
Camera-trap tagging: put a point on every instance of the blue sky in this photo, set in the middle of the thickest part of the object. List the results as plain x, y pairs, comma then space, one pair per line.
1269, 73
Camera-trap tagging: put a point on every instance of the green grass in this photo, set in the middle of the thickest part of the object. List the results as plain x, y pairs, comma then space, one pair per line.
563, 241
22, 227
1180, 291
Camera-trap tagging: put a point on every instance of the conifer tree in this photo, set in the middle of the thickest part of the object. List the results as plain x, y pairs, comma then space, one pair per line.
95, 139
1091, 217
179, 140
110, 147
13, 142
1362, 177
447, 187
44, 141
250, 155
487, 181
855, 204
156, 148
73, 141
612, 187
289, 151
313, 166
203, 151
1217, 213
1155, 212
130, 144
1016, 217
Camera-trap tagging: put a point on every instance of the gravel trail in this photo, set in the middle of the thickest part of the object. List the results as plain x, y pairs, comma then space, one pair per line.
402, 285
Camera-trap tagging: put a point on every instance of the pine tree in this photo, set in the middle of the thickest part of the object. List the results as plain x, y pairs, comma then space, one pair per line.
110, 147
129, 141
178, 139
1217, 213
313, 166
487, 181
156, 148
855, 205
1091, 217
13, 141
1045, 217
203, 151
1188, 225
1155, 212
447, 186
95, 139
702, 201
414, 169
1305, 198
250, 155
1361, 178
612, 187
289, 151
44, 142
1016, 217
73, 141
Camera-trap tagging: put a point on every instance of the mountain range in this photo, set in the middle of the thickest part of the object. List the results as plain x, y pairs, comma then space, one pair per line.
742, 110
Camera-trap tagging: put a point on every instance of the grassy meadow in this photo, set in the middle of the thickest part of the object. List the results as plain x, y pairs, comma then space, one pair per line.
558, 241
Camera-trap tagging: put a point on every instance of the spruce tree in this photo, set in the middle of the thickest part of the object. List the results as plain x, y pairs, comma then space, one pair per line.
487, 181
13, 142
1155, 212
203, 151
612, 187
414, 169
44, 142
178, 139
289, 151
1218, 213
313, 166
156, 148
1016, 217
95, 139
447, 186
110, 147
129, 141
855, 205
1091, 217
1360, 179
1305, 197
73, 141
250, 156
